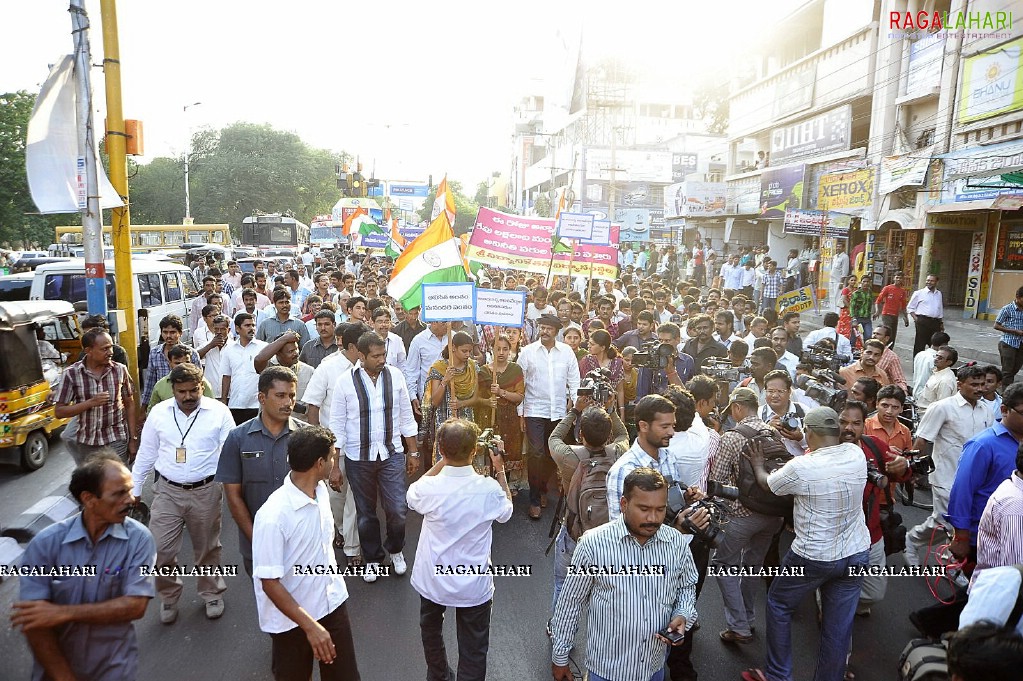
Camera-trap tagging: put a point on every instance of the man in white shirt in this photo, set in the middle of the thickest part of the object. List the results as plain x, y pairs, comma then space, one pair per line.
422, 353
839, 271
396, 356
539, 306
318, 395
300, 592
210, 340
944, 429
552, 380
371, 415
239, 381
830, 332
733, 276
779, 341
832, 545
459, 507
942, 381
185, 495
923, 361
927, 309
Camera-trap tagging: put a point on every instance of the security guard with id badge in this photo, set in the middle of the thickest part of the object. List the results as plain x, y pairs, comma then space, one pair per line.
254, 459
182, 441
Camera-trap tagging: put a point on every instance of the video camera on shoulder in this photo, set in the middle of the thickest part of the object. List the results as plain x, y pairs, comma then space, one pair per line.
823, 390
714, 504
655, 355
596, 385
721, 369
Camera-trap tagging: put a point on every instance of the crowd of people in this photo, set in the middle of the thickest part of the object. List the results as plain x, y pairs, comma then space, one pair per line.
308, 396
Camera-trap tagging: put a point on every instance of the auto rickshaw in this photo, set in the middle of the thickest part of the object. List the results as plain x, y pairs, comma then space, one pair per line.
37, 339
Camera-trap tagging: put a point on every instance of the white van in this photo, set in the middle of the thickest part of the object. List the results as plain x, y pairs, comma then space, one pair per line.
161, 288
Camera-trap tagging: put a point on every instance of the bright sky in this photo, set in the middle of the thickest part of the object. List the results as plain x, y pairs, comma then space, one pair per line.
421, 87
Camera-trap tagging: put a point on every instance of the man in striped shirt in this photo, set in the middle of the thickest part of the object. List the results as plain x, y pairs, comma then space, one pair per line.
1010, 347
1000, 535
637, 578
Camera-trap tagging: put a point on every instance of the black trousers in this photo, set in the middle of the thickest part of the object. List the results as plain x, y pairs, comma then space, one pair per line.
925, 328
473, 630
680, 663
1012, 360
243, 415
539, 465
292, 656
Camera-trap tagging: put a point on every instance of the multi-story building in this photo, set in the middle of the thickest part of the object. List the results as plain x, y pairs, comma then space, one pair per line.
902, 119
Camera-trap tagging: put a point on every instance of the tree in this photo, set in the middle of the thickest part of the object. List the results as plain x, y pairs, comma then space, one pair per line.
465, 208
542, 206
19, 225
710, 101
235, 172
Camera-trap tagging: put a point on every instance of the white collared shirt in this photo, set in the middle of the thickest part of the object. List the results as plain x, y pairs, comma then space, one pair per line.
949, 423
458, 507
923, 367
320, 390
395, 346
212, 363
423, 351
828, 511
927, 303
939, 385
293, 530
690, 451
201, 434
237, 362
345, 418
832, 334
552, 380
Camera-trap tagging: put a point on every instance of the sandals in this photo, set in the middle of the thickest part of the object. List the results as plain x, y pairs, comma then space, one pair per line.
729, 636
355, 561
754, 674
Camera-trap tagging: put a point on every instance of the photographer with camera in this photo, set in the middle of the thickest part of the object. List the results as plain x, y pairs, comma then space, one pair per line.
661, 364
883, 466
832, 544
605, 371
703, 346
459, 508
783, 414
749, 533
830, 332
604, 439
943, 430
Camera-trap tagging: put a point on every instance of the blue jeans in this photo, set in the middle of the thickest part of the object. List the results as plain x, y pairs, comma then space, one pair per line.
564, 547
659, 676
767, 304
386, 478
839, 594
868, 327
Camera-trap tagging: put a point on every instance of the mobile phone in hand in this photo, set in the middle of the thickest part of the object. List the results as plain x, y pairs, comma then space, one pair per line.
674, 637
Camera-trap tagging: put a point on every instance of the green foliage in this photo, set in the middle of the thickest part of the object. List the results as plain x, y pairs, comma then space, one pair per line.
465, 208
18, 226
542, 206
235, 172
710, 101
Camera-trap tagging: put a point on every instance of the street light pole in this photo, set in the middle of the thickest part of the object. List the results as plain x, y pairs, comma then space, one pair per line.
188, 152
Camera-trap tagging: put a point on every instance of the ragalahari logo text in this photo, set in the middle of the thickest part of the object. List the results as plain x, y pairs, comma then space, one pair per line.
972, 24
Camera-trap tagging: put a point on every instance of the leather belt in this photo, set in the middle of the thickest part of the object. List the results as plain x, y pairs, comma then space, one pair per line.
186, 485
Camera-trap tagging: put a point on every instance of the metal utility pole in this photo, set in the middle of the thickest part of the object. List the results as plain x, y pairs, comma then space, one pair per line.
120, 218
88, 179
188, 152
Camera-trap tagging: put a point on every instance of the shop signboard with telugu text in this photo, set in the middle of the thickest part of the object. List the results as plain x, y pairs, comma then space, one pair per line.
906, 170
524, 243
817, 223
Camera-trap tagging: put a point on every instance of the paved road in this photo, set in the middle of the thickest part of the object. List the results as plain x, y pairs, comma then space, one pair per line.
385, 616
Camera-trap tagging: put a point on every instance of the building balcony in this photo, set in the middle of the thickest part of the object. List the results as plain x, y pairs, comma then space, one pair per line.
831, 75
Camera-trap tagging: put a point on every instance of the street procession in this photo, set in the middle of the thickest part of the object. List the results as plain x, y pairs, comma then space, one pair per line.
587, 359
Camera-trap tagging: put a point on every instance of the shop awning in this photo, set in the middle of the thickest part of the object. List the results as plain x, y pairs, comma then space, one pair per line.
960, 206
903, 217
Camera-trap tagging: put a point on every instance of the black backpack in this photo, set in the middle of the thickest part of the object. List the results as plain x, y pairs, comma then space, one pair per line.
776, 455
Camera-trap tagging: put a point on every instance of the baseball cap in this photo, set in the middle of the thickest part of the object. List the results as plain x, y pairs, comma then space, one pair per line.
822, 419
746, 395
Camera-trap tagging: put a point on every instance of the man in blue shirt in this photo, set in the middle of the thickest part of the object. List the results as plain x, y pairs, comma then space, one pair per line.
988, 458
1010, 347
85, 579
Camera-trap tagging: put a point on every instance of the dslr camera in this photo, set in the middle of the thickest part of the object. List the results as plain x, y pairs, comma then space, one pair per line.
876, 477
486, 443
714, 503
721, 369
655, 355
597, 386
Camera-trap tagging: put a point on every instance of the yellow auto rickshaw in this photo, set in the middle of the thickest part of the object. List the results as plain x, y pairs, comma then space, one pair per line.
37, 338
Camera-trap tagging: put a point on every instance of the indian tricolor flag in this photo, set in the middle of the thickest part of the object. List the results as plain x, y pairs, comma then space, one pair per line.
444, 202
396, 244
434, 256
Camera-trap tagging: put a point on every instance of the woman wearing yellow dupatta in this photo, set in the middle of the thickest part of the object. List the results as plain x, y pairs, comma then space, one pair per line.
452, 384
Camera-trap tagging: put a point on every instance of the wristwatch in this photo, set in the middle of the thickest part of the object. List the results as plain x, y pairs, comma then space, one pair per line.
414, 455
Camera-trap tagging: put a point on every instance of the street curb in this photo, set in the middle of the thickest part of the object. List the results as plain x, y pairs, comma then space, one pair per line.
45, 512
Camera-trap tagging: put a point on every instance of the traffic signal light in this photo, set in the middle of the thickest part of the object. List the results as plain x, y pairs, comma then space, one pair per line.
357, 184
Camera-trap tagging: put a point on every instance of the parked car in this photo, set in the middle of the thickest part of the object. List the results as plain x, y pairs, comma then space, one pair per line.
29, 265
15, 287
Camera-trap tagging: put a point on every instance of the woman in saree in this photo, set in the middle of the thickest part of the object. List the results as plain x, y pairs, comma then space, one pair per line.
501, 388
604, 355
452, 384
